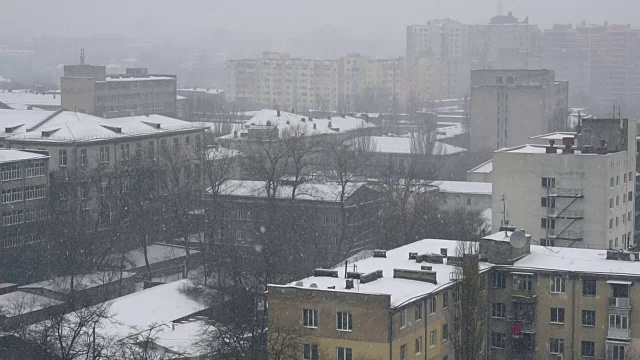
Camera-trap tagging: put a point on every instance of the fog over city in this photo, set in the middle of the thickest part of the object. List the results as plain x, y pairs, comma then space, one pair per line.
328, 180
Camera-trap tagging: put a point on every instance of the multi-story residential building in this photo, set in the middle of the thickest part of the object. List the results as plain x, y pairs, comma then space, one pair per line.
505, 43
200, 104
601, 59
89, 89
441, 38
311, 227
397, 304
24, 184
24, 211
575, 196
509, 106
89, 155
465, 195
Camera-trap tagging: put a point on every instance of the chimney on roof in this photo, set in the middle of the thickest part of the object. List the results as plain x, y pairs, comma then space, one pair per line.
417, 275
568, 145
551, 149
329, 124
235, 134
278, 113
302, 119
310, 118
314, 126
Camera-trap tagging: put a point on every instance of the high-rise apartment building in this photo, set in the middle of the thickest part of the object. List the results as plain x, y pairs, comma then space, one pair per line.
442, 39
89, 89
604, 59
510, 106
568, 195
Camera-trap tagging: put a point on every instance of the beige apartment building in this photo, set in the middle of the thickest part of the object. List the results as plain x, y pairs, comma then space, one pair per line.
577, 193
89, 89
541, 303
347, 84
509, 106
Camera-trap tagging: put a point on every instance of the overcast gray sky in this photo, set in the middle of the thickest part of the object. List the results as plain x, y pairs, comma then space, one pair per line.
187, 19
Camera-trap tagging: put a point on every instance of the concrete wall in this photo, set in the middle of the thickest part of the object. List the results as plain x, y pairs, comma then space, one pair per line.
78, 94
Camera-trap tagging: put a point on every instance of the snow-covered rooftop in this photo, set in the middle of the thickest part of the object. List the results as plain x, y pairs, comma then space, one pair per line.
539, 149
20, 302
9, 155
156, 253
449, 131
402, 145
484, 168
289, 121
309, 191
203, 90
62, 284
221, 152
142, 310
137, 78
400, 290
64, 126
464, 187
21, 99
556, 136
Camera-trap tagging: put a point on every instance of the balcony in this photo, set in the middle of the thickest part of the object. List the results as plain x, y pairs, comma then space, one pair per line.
619, 303
565, 192
565, 235
526, 326
622, 334
564, 214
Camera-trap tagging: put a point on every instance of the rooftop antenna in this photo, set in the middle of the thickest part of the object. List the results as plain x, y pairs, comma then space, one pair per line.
81, 56
619, 113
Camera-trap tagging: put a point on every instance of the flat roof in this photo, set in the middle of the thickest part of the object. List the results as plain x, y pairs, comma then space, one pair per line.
401, 291
20, 99
136, 78
20, 302
329, 192
402, 145
156, 253
464, 187
558, 135
11, 155
484, 168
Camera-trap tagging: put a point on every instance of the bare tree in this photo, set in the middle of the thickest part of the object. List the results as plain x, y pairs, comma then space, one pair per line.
467, 316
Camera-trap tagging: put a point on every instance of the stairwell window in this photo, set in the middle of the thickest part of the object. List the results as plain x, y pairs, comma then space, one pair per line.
403, 318
344, 321
432, 303
418, 311
548, 182
403, 352
84, 159
557, 285
62, 157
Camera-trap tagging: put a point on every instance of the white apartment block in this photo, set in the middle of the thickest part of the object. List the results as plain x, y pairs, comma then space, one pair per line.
441, 39
510, 106
571, 196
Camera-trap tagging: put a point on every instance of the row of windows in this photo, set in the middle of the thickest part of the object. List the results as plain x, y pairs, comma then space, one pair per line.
615, 181
12, 217
556, 346
105, 152
14, 171
418, 345
29, 193
18, 240
344, 320
524, 282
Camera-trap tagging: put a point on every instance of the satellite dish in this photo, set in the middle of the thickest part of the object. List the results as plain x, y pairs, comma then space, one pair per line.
299, 284
518, 239
313, 285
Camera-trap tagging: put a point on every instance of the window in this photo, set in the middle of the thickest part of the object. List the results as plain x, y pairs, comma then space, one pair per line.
498, 310
628, 217
616, 352
151, 149
611, 181
104, 154
34, 192
548, 182
11, 195
617, 179
242, 215
445, 332
343, 320
418, 311
630, 196
588, 318
618, 322
310, 352
588, 348
176, 145
432, 338
418, 346
163, 146
498, 280
547, 242
445, 299
557, 315
498, 340
624, 178
610, 224
12, 218
62, 157
138, 150
345, 354
34, 169
588, 287
197, 171
557, 285
548, 223
556, 346
548, 202
617, 200
310, 318
522, 282
198, 142
124, 151
10, 172
403, 318
240, 235
432, 304
403, 352
610, 203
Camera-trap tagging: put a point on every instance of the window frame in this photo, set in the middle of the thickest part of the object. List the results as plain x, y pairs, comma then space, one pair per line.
344, 323
313, 317
557, 285
559, 315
